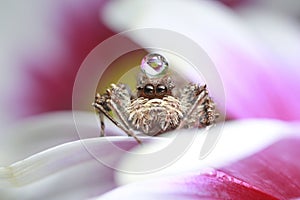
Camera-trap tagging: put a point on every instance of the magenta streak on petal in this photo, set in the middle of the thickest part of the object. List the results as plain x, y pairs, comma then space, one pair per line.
272, 173
48, 79
274, 170
218, 185
234, 3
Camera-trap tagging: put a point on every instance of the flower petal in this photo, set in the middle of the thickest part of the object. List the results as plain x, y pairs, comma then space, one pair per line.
59, 155
196, 186
255, 78
66, 171
273, 170
238, 140
47, 42
78, 30
41, 132
270, 173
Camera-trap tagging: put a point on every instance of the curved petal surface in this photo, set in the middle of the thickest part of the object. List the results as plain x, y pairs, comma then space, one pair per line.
265, 171
257, 82
52, 161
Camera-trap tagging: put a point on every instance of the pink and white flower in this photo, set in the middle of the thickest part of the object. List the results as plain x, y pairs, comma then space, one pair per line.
42, 155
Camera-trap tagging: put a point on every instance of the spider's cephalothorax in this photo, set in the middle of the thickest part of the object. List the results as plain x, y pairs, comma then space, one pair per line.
154, 108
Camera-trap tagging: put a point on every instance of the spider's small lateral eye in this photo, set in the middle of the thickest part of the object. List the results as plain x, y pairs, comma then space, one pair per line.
161, 89
149, 89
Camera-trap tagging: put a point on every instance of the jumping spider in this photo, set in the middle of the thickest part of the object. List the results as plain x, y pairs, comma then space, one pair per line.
156, 108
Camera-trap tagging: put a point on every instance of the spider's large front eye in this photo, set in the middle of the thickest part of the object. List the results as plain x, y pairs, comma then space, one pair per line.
161, 90
149, 90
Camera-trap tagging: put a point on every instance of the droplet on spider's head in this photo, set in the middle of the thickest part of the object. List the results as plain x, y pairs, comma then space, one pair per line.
154, 65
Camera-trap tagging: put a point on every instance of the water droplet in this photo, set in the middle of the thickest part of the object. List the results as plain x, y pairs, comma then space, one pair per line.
154, 65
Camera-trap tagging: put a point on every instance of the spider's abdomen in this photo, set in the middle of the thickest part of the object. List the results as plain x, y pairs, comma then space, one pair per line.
155, 116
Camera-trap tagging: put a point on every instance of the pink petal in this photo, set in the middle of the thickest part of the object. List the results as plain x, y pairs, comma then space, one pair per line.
81, 31
270, 173
47, 73
273, 170
234, 3
258, 81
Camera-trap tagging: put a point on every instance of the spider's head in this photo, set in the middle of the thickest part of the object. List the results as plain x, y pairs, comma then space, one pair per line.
153, 81
155, 88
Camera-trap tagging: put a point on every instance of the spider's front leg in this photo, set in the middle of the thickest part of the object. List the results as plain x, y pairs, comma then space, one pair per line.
101, 105
115, 99
199, 108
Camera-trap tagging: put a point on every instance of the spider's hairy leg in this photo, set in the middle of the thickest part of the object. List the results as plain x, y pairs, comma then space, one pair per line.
103, 105
101, 117
202, 95
199, 108
210, 114
100, 105
199, 95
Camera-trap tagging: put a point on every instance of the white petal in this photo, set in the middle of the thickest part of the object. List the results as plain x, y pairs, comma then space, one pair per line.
202, 21
66, 171
238, 139
44, 131
60, 166
41, 132
289, 7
